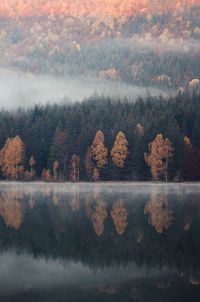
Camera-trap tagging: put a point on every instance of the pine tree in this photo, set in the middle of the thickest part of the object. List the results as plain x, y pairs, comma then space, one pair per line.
89, 165
191, 164
58, 151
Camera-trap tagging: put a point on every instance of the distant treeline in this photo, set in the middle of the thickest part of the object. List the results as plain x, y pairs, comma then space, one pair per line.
103, 139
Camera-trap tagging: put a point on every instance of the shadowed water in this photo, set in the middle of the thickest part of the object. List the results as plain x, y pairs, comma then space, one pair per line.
99, 242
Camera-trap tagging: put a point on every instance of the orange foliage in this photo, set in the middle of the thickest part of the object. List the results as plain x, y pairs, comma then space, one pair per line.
11, 158
119, 215
99, 153
119, 151
55, 169
97, 212
160, 215
90, 7
160, 151
11, 209
46, 175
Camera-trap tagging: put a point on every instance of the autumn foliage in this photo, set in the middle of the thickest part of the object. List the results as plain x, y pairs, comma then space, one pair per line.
119, 151
89, 7
119, 215
159, 212
160, 152
11, 158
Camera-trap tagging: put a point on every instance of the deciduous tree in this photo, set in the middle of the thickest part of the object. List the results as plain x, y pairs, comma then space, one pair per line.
74, 168
55, 169
32, 165
99, 151
160, 151
119, 151
11, 159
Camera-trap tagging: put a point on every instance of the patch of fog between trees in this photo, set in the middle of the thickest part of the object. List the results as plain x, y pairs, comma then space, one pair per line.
24, 90
145, 44
20, 273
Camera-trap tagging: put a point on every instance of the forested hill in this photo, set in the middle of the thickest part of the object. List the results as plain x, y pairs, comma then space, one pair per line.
142, 43
103, 139
90, 7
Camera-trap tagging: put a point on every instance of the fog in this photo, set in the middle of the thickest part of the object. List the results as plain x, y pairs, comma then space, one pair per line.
20, 89
133, 188
163, 43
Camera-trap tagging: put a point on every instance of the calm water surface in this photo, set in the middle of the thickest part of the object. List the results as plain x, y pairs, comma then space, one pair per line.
99, 242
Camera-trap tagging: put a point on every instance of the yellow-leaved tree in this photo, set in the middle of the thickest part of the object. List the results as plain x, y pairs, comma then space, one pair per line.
160, 152
99, 152
55, 169
32, 165
119, 151
11, 158
74, 168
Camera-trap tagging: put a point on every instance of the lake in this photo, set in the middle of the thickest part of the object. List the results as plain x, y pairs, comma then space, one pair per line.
99, 242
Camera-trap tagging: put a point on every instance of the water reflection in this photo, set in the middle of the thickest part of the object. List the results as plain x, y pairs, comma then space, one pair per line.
160, 213
119, 215
11, 208
107, 237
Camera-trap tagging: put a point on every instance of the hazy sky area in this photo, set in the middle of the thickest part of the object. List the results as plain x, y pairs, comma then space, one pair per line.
18, 89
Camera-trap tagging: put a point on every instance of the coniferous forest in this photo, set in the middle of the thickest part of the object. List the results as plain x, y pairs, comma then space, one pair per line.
102, 139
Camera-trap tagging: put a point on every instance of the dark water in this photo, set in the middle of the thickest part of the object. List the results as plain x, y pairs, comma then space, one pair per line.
106, 242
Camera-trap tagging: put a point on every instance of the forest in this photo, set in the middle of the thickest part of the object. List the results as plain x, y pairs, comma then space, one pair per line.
89, 7
150, 49
102, 139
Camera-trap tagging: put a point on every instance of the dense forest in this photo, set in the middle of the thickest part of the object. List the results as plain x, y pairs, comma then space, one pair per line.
90, 7
103, 139
152, 48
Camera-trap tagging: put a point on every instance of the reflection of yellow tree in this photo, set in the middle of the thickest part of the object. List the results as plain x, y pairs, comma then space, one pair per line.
55, 198
30, 194
119, 215
74, 202
11, 208
158, 211
97, 212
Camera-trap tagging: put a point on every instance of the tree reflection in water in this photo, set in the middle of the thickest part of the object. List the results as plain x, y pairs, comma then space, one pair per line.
119, 215
11, 208
160, 214
104, 227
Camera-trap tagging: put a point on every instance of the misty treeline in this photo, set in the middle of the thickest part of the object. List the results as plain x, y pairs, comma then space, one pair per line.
103, 139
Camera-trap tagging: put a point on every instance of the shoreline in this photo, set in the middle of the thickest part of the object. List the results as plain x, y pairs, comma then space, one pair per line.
99, 182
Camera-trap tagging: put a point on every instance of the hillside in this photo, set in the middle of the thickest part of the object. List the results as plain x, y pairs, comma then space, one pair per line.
91, 7
160, 50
